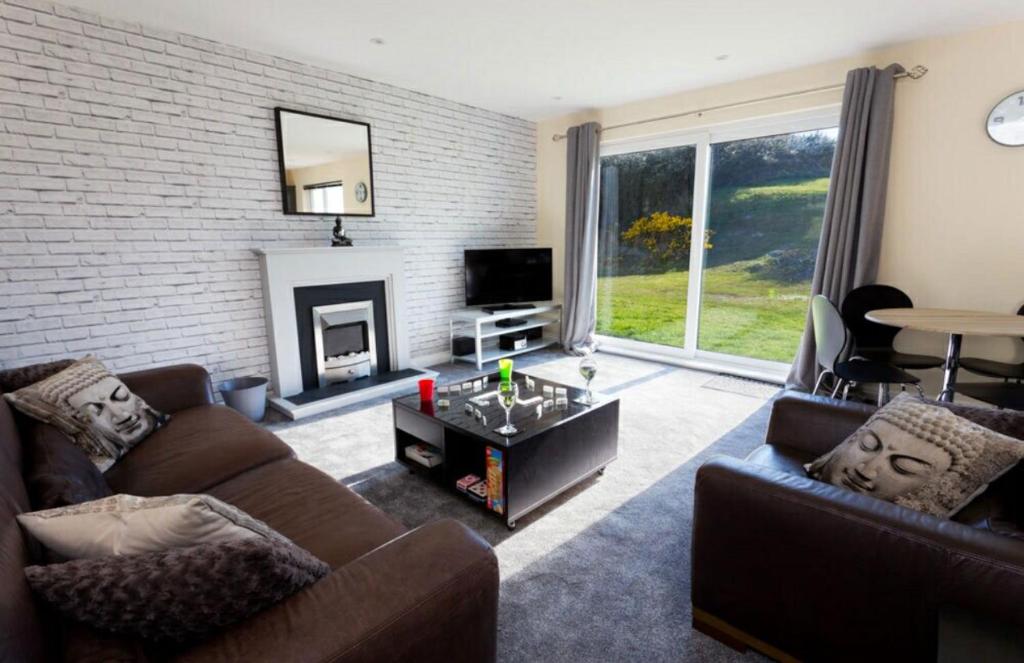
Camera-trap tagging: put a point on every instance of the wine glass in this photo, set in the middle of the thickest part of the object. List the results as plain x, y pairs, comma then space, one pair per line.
588, 369
508, 394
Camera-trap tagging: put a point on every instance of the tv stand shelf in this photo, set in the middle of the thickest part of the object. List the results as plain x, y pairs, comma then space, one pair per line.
483, 329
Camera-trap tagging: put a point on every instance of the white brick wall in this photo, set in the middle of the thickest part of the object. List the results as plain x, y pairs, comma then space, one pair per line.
139, 167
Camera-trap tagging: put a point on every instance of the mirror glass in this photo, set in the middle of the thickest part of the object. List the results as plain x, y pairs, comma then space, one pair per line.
326, 167
1006, 121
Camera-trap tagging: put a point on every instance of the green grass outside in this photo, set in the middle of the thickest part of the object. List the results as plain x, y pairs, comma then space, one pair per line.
782, 190
742, 314
748, 222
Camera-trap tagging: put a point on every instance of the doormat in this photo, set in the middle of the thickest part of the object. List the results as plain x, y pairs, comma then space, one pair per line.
742, 386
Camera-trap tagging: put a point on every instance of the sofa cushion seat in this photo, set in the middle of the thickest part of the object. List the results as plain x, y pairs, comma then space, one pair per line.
58, 473
310, 508
198, 448
990, 512
1000, 509
782, 458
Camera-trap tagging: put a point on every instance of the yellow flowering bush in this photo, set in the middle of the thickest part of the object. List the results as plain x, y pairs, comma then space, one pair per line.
665, 237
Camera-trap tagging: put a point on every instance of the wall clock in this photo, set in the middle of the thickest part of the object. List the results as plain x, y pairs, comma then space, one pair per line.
361, 192
1006, 121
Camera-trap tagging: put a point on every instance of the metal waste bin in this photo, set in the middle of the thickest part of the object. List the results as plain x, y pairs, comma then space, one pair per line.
247, 395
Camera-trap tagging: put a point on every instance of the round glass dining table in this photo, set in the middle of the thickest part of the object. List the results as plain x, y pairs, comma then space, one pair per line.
957, 324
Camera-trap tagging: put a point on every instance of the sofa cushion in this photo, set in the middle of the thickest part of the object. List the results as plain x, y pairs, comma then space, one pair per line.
1000, 509
990, 512
199, 448
128, 525
58, 473
920, 456
782, 458
13, 379
1006, 422
93, 406
311, 509
177, 595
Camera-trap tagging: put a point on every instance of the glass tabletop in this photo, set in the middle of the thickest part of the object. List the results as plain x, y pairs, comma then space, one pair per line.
524, 417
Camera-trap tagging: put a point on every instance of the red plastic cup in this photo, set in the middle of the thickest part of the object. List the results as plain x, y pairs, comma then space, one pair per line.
427, 389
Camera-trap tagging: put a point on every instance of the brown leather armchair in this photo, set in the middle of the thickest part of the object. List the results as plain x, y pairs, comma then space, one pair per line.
800, 569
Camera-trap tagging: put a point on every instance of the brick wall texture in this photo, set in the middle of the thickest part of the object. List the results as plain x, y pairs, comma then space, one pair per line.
138, 168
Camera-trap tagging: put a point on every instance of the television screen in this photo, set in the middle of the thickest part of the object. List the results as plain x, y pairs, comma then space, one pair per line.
507, 276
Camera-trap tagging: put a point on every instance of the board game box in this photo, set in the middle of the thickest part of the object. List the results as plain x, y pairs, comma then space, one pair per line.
495, 487
465, 482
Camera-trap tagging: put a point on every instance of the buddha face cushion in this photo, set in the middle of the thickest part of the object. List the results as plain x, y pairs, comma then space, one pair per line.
919, 456
93, 407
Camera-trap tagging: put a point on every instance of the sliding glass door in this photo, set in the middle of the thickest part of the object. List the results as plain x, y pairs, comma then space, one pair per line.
707, 240
765, 208
643, 246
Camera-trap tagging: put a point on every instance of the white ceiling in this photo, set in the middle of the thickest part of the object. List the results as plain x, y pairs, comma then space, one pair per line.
516, 56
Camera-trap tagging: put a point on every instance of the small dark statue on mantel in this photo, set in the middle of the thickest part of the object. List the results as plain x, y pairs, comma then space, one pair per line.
338, 236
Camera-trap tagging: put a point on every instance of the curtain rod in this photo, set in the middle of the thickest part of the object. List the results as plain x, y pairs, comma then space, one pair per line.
915, 73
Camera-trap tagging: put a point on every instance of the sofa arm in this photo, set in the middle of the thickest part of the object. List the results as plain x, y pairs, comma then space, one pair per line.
814, 424
430, 595
171, 388
814, 570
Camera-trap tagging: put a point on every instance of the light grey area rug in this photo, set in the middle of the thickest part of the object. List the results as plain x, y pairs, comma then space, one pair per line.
603, 572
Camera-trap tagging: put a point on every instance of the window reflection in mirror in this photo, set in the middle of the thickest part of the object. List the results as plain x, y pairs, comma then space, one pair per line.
326, 166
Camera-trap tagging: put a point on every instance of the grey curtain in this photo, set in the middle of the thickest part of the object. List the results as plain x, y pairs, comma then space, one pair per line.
851, 233
579, 313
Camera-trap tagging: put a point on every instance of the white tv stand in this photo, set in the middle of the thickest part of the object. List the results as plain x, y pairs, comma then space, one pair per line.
482, 328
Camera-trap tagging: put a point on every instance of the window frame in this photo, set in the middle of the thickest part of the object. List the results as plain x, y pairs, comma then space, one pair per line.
702, 138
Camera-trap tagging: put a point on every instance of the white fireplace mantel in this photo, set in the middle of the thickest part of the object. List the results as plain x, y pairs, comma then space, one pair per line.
284, 269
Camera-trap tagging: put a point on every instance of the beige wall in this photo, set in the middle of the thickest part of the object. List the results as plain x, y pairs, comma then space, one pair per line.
954, 233
350, 171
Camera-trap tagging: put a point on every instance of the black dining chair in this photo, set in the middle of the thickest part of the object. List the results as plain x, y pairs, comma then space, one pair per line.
994, 369
831, 340
872, 340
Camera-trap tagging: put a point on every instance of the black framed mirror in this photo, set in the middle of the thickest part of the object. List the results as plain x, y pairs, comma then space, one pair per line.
326, 164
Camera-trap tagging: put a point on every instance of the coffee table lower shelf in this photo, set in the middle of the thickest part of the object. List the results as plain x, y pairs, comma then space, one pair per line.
531, 472
510, 522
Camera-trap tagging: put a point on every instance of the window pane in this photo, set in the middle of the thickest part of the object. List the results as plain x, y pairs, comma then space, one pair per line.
317, 200
644, 244
334, 199
766, 203
326, 199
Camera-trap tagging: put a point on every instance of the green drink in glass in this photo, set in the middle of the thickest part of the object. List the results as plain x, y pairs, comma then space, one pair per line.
505, 370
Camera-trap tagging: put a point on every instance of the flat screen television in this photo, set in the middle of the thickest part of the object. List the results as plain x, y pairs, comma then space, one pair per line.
507, 276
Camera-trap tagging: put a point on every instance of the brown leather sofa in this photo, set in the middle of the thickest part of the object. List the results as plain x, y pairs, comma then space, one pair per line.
801, 569
429, 594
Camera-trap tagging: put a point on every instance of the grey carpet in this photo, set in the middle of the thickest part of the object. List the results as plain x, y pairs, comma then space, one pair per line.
602, 573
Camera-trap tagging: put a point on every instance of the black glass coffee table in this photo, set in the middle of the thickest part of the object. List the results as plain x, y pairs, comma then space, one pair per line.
556, 448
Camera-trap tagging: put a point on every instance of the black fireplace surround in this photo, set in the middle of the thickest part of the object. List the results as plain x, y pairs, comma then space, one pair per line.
339, 293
